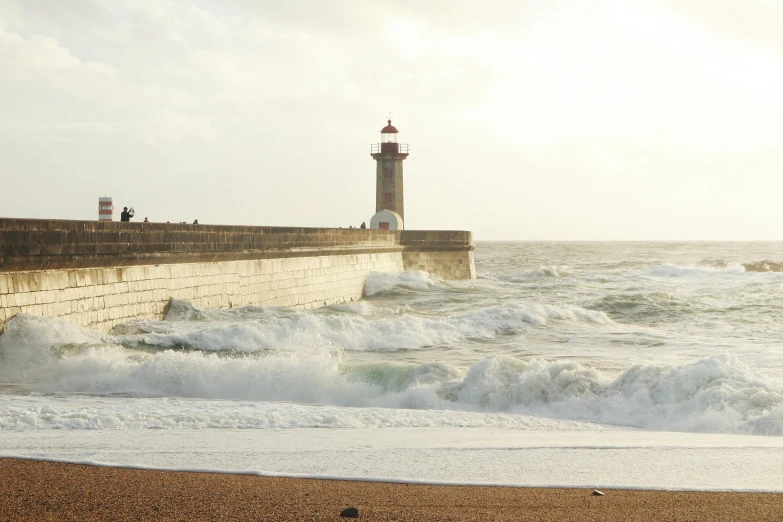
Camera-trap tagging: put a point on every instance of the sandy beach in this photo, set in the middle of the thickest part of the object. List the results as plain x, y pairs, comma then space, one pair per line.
38, 490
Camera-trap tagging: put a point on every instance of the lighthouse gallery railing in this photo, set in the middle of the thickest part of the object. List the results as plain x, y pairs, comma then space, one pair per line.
391, 148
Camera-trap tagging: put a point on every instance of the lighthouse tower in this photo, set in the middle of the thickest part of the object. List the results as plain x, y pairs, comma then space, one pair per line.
388, 156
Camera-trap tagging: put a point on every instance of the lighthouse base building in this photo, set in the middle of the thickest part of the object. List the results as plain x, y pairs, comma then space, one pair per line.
386, 220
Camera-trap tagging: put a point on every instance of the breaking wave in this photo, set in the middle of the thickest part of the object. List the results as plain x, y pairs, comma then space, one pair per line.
383, 282
667, 270
355, 327
712, 267
714, 394
652, 308
714, 263
538, 273
763, 266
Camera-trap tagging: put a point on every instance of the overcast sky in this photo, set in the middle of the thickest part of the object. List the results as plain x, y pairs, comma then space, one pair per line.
545, 119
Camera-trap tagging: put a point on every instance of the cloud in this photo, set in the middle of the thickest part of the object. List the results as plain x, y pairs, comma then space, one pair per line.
52, 89
214, 25
635, 73
19, 54
748, 21
524, 110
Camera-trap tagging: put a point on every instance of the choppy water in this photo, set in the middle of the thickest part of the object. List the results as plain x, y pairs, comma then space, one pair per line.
557, 338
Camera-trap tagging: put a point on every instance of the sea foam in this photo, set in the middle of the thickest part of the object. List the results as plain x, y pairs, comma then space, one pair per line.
715, 394
669, 270
355, 327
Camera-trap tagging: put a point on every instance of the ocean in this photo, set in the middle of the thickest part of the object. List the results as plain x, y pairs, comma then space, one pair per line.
588, 364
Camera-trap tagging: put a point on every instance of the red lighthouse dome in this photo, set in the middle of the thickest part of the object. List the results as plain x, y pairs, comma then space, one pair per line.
389, 129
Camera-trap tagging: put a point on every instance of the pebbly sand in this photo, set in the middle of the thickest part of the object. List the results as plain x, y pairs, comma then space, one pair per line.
38, 490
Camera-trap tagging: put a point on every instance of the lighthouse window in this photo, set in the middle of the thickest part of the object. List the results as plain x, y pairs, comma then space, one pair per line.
388, 173
387, 197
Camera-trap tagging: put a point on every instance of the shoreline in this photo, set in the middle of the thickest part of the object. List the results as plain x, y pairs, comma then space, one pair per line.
40, 489
384, 480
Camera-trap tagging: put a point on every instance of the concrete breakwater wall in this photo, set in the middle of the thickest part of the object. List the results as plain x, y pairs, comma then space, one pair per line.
98, 274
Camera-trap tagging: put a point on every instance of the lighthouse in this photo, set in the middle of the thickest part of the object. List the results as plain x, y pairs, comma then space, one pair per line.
388, 156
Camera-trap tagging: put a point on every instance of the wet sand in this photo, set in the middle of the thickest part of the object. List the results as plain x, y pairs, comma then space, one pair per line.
37, 490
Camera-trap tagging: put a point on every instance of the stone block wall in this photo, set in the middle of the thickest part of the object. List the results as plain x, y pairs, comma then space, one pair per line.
447, 265
445, 253
100, 274
100, 298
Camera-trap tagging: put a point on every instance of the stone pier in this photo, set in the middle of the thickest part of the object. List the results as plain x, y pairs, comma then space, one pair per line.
100, 274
